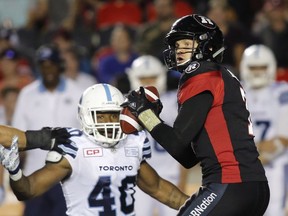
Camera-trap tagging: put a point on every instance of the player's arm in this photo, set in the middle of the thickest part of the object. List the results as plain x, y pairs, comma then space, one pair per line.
38, 182
183, 178
41, 180
176, 140
164, 191
272, 148
45, 138
7, 133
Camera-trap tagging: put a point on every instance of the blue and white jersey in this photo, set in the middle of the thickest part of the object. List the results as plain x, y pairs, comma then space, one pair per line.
268, 108
269, 111
103, 179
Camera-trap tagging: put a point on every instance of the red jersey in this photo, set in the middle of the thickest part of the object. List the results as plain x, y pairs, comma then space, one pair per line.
214, 122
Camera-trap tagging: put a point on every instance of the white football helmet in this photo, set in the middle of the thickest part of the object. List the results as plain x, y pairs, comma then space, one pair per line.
101, 98
147, 66
258, 56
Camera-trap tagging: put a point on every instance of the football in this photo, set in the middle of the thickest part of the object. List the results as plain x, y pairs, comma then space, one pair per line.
128, 122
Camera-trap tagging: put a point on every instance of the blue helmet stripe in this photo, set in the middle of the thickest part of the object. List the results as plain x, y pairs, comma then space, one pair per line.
108, 93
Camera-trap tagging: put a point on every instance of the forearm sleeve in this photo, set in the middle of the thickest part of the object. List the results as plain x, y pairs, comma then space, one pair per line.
38, 139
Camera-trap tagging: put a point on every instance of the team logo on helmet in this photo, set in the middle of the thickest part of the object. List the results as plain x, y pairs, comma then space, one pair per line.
204, 21
192, 67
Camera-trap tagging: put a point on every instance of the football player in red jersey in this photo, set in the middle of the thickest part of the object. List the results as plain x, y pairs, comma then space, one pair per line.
213, 125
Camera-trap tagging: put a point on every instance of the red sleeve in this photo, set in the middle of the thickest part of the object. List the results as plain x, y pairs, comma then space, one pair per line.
211, 82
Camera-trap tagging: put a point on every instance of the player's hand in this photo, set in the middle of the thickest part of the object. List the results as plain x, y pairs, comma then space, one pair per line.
137, 102
59, 136
270, 149
63, 143
9, 158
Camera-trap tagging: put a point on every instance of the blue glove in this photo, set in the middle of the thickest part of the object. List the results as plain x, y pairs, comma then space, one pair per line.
9, 158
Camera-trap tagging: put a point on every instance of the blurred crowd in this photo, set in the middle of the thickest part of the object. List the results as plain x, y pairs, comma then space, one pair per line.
98, 40
107, 36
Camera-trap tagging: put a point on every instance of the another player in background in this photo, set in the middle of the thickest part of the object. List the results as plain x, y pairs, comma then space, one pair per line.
100, 166
268, 103
212, 126
50, 100
148, 70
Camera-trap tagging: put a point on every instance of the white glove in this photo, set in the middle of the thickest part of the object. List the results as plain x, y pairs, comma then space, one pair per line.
2, 194
9, 158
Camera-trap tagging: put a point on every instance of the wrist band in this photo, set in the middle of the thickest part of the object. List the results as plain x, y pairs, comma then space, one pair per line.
149, 119
17, 176
38, 139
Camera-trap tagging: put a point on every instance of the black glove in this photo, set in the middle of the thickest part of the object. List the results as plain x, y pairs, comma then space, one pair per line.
137, 102
46, 138
62, 144
59, 136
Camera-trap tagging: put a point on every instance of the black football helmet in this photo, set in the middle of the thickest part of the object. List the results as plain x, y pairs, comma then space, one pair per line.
201, 29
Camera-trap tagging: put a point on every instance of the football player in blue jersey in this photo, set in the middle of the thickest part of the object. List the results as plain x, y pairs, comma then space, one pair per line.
213, 124
98, 166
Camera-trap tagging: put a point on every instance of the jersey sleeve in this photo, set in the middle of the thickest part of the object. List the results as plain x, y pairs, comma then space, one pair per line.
143, 141
203, 82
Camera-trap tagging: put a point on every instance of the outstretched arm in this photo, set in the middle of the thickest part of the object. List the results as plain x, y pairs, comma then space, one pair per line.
7, 133
45, 138
164, 191
41, 180
38, 182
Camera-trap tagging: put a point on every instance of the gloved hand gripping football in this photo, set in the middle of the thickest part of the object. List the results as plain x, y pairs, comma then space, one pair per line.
146, 111
137, 102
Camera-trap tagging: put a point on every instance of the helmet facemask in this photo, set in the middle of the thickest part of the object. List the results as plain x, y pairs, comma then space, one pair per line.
93, 103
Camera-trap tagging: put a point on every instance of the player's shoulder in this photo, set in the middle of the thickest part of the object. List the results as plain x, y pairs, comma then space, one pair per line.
77, 136
279, 86
280, 89
137, 137
197, 67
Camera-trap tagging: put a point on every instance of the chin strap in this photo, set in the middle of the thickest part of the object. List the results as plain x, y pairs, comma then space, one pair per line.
218, 52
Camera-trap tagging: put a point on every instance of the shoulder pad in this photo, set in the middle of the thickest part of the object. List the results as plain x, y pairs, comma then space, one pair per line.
53, 157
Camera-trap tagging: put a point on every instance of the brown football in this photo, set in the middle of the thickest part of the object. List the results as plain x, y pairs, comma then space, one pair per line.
128, 122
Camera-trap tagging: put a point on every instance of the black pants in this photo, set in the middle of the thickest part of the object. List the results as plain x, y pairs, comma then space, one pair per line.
241, 199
